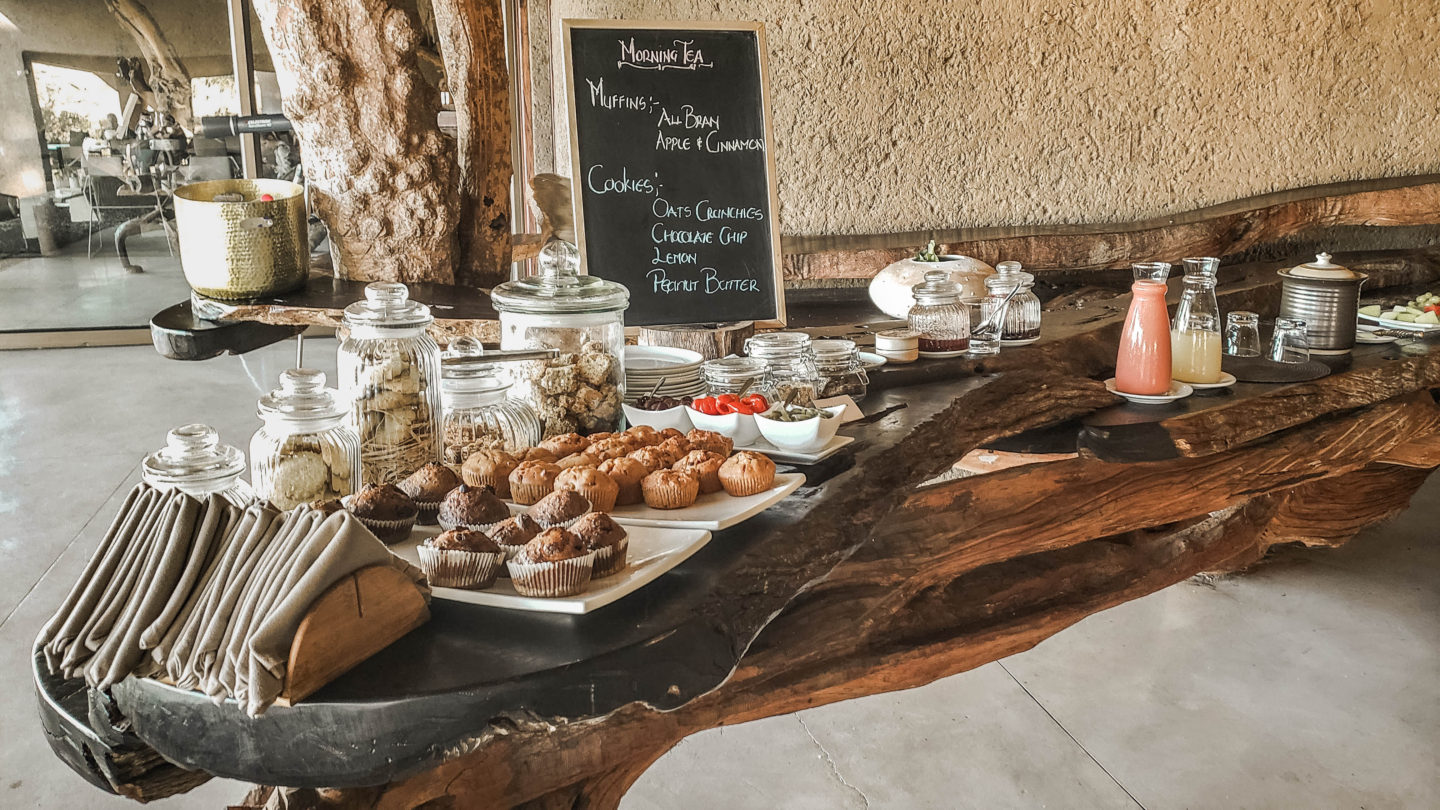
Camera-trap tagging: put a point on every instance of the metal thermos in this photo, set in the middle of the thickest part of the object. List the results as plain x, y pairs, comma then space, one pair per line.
1326, 297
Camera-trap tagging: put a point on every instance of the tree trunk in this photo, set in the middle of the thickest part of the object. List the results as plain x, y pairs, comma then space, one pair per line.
381, 174
471, 35
168, 79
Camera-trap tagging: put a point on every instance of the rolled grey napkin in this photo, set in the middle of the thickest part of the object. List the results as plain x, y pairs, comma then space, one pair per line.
217, 623
112, 536
66, 624
219, 514
168, 653
340, 546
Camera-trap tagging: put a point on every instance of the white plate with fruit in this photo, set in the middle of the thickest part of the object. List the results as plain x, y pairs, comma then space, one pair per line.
1421, 314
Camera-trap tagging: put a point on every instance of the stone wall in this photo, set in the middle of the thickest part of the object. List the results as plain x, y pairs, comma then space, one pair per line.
896, 115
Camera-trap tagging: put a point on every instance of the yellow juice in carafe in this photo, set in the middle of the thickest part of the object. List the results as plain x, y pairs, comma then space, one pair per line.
1195, 356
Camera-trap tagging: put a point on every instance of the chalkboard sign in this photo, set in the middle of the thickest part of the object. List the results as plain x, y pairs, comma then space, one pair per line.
674, 174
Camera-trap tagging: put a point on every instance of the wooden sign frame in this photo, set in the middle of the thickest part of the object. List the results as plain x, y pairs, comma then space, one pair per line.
577, 198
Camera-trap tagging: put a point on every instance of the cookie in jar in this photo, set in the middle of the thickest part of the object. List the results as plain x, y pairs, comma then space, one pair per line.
304, 451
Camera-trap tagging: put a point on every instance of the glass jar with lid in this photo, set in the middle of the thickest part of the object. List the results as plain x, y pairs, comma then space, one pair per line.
390, 373
838, 363
1021, 324
583, 318
790, 366
305, 451
732, 375
479, 413
195, 462
939, 317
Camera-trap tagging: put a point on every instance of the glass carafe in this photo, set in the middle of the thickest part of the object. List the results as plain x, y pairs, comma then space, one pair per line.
195, 462
939, 317
390, 372
305, 451
1021, 323
1142, 365
790, 365
479, 413
1195, 343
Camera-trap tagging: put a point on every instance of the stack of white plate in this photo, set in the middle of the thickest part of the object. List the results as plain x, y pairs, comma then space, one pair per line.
646, 366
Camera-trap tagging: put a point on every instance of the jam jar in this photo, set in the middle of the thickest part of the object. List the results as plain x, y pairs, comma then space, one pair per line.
479, 413
790, 366
1022, 314
582, 317
939, 317
732, 375
838, 363
390, 373
306, 450
195, 462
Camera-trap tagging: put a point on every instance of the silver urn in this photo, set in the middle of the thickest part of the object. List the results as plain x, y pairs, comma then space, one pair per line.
1326, 296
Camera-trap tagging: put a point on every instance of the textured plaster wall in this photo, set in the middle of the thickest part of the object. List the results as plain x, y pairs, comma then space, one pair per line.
894, 115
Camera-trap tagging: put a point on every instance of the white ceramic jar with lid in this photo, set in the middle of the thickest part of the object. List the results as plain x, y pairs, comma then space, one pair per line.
305, 451
582, 317
1326, 296
390, 373
195, 462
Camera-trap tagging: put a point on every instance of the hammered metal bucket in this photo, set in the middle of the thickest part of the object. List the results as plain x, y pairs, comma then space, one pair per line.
238, 250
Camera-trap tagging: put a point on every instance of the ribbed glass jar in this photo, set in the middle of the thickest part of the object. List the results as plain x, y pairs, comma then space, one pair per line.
195, 462
479, 413
790, 371
390, 372
938, 315
1022, 313
305, 450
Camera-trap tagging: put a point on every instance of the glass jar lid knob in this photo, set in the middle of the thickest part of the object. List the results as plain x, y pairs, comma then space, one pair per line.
387, 304
302, 393
192, 454
463, 368
936, 289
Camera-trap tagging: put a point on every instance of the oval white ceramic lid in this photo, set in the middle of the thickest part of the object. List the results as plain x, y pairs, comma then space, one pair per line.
1323, 268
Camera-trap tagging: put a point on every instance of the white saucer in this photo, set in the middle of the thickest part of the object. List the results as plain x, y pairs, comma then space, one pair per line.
870, 360
1025, 342
1226, 380
1178, 390
943, 355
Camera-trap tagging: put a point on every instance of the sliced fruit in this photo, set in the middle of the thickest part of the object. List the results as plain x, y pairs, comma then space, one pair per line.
1373, 310
1429, 318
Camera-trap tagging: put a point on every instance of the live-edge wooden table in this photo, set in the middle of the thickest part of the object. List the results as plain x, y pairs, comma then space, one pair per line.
875, 576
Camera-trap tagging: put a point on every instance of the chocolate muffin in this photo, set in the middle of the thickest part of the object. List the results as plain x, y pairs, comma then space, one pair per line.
329, 507
516, 531
596, 487
554, 563
627, 473
472, 508
559, 508
532, 480
386, 511
489, 468
710, 440
607, 539
428, 486
705, 466
565, 444
461, 558
463, 540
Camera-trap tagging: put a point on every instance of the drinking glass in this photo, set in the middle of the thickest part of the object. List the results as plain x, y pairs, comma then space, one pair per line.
1290, 343
984, 337
1242, 334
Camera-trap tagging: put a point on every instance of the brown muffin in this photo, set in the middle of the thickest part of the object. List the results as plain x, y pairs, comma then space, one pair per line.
515, 531
489, 468
669, 489
747, 473
427, 486
386, 511
565, 444
671, 433
674, 449
613, 447
644, 435
553, 545
652, 457
463, 540
471, 507
327, 508
532, 480
595, 437
536, 454
607, 539
595, 486
559, 508
581, 459
710, 440
555, 563
705, 466
626, 472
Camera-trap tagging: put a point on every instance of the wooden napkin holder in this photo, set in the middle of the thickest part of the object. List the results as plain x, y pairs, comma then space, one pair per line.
357, 617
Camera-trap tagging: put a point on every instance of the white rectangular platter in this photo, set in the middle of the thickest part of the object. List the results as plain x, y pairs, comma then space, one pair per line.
1391, 324
652, 552
714, 512
795, 456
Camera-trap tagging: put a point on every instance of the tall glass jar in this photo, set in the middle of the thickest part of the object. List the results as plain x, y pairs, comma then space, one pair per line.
305, 451
939, 317
1195, 343
1021, 324
479, 414
731, 375
790, 365
582, 317
390, 372
195, 462
838, 364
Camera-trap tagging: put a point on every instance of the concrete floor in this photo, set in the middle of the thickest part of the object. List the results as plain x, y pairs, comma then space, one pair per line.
73, 291
1313, 682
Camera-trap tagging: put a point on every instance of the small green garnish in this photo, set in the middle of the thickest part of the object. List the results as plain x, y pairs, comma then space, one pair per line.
928, 254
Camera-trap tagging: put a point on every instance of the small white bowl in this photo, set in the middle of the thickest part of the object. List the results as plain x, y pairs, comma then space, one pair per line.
672, 418
739, 427
805, 437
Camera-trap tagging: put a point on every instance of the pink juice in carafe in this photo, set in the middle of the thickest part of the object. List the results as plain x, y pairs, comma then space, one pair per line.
1143, 363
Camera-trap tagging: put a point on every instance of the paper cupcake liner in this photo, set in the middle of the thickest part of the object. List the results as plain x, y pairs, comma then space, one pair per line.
449, 525
499, 485
429, 512
709, 482
629, 495
552, 579
611, 560
451, 568
742, 485
527, 494
510, 552
598, 504
390, 532
669, 497
564, 524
